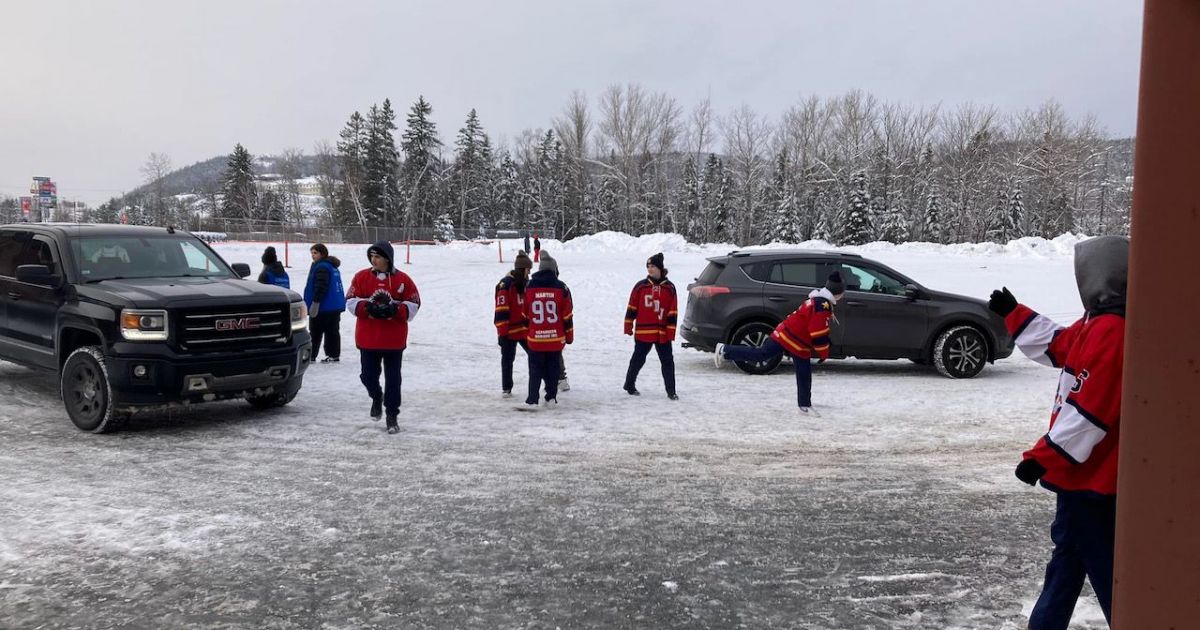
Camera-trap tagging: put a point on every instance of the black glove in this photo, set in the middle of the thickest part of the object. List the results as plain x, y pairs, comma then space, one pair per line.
1029, 471
1002, 302
381, 311
387, 311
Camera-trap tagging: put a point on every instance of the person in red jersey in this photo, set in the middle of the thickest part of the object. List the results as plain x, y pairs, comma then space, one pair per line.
385, 300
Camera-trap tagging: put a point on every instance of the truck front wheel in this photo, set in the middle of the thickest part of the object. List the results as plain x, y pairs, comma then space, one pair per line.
86, 391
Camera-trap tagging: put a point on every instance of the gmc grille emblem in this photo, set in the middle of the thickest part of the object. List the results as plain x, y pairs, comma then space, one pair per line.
241, 323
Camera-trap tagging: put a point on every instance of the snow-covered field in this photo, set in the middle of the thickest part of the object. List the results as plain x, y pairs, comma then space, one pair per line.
897, 508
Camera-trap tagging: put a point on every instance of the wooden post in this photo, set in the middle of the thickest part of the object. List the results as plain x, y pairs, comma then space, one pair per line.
1157, 572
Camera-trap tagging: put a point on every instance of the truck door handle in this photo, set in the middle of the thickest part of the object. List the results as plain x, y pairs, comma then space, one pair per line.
14, 295
776, 298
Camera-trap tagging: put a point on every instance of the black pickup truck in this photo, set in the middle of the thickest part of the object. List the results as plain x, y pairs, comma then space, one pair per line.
141, 318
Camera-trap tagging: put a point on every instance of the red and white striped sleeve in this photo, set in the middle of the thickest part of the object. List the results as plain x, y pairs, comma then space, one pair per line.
1039, 337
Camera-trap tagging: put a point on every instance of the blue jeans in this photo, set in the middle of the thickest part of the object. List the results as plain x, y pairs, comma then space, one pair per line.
1083, 534
771, 350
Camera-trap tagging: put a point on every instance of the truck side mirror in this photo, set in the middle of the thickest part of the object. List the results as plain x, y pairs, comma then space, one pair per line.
39, 275
242, 270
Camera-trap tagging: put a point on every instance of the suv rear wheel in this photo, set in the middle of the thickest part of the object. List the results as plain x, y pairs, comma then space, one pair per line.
86, 392
960, 352
754, 334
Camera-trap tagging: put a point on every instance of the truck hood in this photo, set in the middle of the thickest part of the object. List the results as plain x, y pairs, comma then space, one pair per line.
186, 292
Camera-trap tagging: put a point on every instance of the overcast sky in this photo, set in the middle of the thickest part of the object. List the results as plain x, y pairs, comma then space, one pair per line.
91, 88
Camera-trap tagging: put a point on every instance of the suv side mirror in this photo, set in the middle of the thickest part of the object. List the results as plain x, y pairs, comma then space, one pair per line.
242, 270
911, 291
39, 275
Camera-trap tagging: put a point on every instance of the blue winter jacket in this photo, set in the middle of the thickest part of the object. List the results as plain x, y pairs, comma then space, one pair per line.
325, 286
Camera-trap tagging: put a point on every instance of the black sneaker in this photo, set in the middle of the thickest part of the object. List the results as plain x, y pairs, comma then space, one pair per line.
330, 360
632, 391
377, 408
392, 425
673, 396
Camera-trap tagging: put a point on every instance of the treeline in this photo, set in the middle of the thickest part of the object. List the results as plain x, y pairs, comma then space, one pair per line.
848, 169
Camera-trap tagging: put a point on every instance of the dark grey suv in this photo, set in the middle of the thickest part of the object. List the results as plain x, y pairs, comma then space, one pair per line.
741, 297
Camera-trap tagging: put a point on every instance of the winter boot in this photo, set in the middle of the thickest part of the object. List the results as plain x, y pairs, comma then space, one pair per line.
632, 390
564, 386
719, 356
550, 402
809, 411
507, 393
377, 407
393, 426
330, 360
673, 396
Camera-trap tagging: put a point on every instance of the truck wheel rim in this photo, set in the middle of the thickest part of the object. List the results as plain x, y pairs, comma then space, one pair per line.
84, 391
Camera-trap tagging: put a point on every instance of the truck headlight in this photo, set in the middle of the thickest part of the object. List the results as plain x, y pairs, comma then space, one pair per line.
299, 316
144, 324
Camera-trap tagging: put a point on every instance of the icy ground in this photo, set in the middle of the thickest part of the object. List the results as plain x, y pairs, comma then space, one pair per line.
895, 509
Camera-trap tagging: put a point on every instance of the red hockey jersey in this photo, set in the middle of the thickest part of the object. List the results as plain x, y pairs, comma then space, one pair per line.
548, 311
805, 332
1079, 452
653, 310
371, 333
510, 310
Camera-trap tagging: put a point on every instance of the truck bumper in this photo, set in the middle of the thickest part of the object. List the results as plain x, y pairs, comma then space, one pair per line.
141, 375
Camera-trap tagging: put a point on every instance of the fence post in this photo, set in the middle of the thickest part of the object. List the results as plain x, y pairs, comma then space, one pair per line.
287, 261
500, 249
408, 251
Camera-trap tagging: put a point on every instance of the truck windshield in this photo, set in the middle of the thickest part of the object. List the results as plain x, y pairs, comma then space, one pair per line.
168, 256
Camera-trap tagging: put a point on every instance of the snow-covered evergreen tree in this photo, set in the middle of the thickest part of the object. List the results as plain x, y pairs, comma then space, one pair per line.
419, 144
688, 218
239, 196
784, 227
351, 148
933, 228
857, 229
894, 228
444, 228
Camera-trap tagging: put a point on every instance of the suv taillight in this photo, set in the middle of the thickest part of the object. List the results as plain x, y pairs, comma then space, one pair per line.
708, 291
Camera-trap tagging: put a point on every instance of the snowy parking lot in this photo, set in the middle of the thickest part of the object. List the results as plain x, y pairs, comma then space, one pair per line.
896, 508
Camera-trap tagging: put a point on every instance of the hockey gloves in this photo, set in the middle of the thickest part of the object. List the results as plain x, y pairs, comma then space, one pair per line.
1029, 471
1002, 302
382, 311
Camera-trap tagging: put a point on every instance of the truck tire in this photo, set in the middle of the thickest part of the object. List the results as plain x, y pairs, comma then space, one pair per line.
86, 391
270, 401
960, 352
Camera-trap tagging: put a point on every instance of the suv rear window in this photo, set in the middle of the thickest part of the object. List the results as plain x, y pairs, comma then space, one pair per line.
796, 273
711, 273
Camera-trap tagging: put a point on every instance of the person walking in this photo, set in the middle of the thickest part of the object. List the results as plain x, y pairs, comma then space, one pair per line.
650, 318
384, 300
511, 327
549, 313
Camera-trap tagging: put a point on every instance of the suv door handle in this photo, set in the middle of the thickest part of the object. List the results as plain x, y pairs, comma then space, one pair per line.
855, 303
776, 298
14, 295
